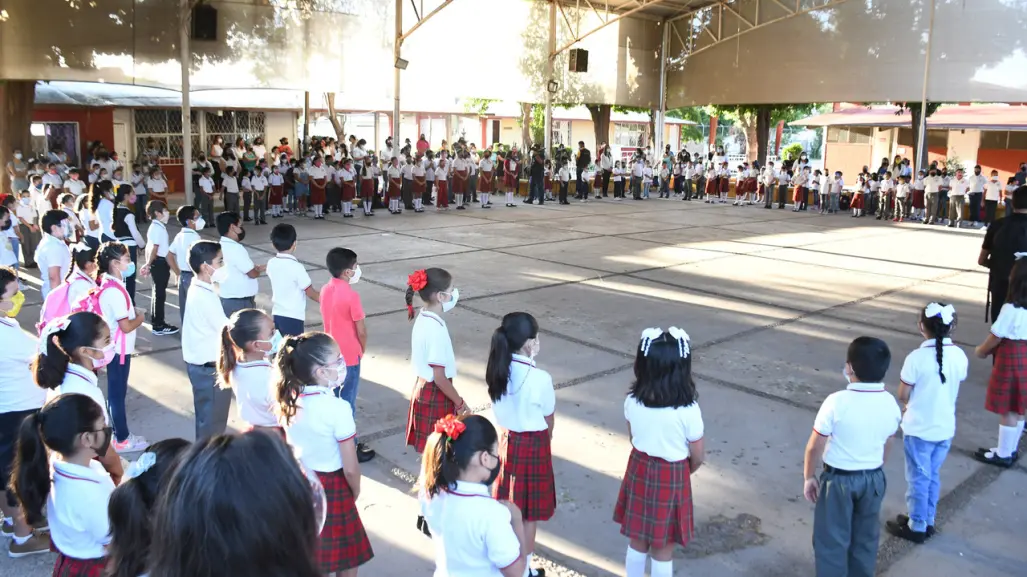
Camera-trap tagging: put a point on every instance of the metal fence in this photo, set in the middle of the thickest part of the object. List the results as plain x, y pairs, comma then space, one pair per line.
164, 126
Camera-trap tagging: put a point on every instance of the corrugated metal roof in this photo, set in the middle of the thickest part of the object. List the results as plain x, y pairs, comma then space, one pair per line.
984, 116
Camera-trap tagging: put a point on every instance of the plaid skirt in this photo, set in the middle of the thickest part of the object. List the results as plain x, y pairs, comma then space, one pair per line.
367, 187
394, 190
526, 474
349, 190
343, 542
485, 182
427, 406
655, 501
712, 185
317, 191
460, 186
1007, 388
275, 196
70, 567
510, 180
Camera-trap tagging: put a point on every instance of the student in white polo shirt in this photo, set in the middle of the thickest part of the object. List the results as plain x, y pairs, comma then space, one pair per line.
52, 253
247, 341
158, 246
320, 427
201, 339
178, 253
851, 435
19, 399
930, 385
524, 402
958, 189
473, 533
74, 184
205, 200
75, 500
237, 281
290, 283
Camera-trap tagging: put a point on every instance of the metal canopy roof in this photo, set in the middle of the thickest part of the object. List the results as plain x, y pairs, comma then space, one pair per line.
648, 9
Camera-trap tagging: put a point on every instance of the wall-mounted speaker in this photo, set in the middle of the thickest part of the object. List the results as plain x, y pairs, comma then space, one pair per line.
205, 23
578, 60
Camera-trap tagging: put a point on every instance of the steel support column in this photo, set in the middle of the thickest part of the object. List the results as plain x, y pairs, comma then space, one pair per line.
549, 77
661, 120
185, 56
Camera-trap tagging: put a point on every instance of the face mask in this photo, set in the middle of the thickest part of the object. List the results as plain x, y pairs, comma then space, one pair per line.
200, 223
356, 276
453, 298
164, 218
535, 348
242, 234
17, 155
26, 201
845, 374
131, 270
340, 375
16, 301
219, 275
493, 473
108, 356
101, 451
274, 344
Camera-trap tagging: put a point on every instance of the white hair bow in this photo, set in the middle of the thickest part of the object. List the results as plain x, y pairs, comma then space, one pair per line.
947, 312
1019, 255
146, 460
52, 328
79, 247
648, 336
682, 337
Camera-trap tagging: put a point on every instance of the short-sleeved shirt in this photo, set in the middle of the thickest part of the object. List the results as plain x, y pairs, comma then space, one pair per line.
431, 347
289, 282
117, 307
341, 309
157, 239
79, 285
18, 390
858, 421
207, 184
105, 216
663, 432
76, 187
251, 382
1011, 323
529, 398
471, 531
180, 247
1005, 237
76, 509
82, 381
201, 327
52, 252
931, 412
7, 255
321, 422
237, 282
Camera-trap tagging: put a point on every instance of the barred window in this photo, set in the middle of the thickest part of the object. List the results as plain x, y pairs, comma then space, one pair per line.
233, 124
161, 129
630, 134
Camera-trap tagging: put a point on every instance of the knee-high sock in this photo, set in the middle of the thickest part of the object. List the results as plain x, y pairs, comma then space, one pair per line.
459, 199
486, 199
509, 198
1008, 438
634, 563
662, 568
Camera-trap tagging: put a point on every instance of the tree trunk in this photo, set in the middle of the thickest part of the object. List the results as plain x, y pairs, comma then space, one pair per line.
600, 122
340, 128
526, 125
652, 132
919, 148
748, 125
16, 101
762, 133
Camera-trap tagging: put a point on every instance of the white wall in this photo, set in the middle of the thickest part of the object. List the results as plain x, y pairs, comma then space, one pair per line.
963, 144
278, 124
884, 142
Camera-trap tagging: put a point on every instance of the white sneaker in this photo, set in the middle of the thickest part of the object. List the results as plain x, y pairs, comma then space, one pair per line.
133, 444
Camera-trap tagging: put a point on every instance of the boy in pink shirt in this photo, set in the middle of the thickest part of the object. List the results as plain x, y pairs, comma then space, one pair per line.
343, 317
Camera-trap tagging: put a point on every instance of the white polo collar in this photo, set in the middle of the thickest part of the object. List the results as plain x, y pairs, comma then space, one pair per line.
82, 373
314, 390
866, 387
523, 360
286, 255
72, 472
931, 342
468, 489
202, 285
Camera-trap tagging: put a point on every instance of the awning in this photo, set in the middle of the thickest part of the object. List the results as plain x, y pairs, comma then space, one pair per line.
984, 117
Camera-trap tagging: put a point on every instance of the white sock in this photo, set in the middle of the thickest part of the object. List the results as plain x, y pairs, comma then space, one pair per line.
662, 568
22, 540
634, 563
509, 198
487, 197
459, 200
1019, 428
527, 565
1008, 438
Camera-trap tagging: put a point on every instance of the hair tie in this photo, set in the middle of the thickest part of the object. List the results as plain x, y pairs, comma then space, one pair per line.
450, 426
947, 312
648, 336
682, 338
418, 280
142, 465
410, 309
1019, 255
50, 330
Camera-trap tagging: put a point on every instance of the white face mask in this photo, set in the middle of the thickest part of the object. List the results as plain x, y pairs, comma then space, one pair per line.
356, 275
340, 374
845, 373
535, 347
219, 275
200, 223
454, 296
17, 156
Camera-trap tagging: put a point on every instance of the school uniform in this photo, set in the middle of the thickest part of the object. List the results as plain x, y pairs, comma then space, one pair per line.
318, 181
206, 199
929, 424
857, 422
76, 187
116, 306
26, 212
471, 531
230, 184
180, 248
565, 177
406, 189
992, 196
19, 395
655, 499
618, 182
201, 342
430, 347
289, 282
1007, 386
712, 183
461, 169
395, 182
254, 397
977, 183
932, 190
637, 175
526, 459
429, 180
442, 186
52, 253
901, 197
322, 421
157, 243
76, 510
237, 290
958, 189
801, 194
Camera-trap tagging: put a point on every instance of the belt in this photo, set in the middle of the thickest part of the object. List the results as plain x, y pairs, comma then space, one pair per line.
837, 471
210, 365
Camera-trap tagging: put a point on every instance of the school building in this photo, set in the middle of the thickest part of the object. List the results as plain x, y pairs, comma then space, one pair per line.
992, 135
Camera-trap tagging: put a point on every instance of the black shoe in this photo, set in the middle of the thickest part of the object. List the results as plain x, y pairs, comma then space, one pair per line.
902, 531
903, 519
247, 219
989, 457
536, 572
422, 526
428, 203
461, 207
364, 453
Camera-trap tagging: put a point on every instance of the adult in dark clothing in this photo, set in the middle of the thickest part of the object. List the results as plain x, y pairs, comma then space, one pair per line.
537, 181
1006, 237
1021, 176
606, 164
584, 159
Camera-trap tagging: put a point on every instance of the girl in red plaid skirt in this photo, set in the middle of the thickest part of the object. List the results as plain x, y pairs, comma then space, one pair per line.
320, 427
473, 533
1007, 388
524, 402
131, 507
654, 507
75, 499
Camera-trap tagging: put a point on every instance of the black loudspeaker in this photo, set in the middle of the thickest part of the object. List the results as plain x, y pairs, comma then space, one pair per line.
205, 23
578, 60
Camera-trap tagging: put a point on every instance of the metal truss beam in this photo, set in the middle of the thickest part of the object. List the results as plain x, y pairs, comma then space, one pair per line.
578, 38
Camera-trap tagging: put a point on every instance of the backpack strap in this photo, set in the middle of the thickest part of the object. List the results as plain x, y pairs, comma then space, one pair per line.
108, 284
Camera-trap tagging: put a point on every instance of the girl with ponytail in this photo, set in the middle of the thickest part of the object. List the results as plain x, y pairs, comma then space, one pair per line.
247, 341
473, 533
524, 402
75, 500
431, 354
320, 427
930, 384
131, 507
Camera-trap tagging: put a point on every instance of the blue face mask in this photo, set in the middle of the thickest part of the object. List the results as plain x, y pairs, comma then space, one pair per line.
131, 270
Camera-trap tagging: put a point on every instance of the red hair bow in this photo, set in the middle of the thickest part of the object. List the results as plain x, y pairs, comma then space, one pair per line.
450, 426
418, 280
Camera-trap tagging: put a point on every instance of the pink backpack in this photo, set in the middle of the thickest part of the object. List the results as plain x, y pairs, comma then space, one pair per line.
54, 306
91, 303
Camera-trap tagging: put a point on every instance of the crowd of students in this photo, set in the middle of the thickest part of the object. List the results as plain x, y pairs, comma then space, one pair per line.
285, 491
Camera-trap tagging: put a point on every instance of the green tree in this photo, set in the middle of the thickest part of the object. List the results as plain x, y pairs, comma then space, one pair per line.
691, 132
916, 112
757, 119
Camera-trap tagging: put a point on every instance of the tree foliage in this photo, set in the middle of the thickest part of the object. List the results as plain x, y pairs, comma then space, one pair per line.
479, 106
756, 120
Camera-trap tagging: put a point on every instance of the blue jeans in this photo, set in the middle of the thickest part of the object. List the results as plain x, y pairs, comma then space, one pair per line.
348, 390
536, 190
16, 248
923, 482
117, 388
288, 326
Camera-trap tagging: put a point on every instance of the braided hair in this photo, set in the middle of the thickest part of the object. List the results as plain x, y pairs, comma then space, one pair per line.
936, 327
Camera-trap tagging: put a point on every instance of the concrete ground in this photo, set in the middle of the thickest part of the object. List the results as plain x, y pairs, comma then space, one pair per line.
770, 298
